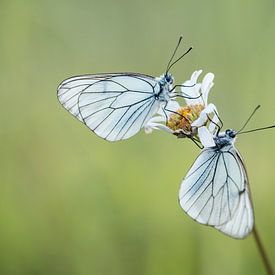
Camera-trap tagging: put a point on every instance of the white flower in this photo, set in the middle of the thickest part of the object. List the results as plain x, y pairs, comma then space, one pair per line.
206, 137
194, 115
158, 122
197, 94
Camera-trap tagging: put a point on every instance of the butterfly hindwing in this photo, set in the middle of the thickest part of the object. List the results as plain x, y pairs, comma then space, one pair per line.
243, 219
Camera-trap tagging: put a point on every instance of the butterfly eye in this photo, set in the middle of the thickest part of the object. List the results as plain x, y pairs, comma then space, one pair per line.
230, 133
169, 78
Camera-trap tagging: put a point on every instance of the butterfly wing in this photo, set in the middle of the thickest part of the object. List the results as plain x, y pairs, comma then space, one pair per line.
242, 221
215, 192
114, 106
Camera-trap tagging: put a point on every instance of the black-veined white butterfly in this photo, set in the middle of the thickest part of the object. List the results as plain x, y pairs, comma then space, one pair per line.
216, 190
117, 105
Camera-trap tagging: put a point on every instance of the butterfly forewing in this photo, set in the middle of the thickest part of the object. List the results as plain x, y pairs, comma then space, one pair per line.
215, 188
114, 106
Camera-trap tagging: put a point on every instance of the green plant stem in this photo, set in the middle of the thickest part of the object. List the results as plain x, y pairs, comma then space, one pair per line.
262, 252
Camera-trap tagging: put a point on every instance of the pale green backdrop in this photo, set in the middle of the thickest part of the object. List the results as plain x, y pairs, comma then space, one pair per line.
71, 203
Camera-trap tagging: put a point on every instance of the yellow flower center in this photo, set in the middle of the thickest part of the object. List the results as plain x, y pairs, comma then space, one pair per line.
184, 117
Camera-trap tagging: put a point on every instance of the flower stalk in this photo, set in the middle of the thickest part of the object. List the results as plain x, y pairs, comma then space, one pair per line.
262, 251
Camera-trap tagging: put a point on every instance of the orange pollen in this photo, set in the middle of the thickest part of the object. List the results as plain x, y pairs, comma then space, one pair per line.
184, 117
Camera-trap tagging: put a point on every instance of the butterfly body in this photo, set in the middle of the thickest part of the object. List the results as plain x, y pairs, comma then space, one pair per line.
165, 83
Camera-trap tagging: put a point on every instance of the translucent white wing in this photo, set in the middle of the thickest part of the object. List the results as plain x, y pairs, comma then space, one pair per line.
243, 219
215, 192
69, 90
114, 106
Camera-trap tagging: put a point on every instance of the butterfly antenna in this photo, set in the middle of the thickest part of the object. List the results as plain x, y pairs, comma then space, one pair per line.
254, 111
173, 55
170, 66
257, 129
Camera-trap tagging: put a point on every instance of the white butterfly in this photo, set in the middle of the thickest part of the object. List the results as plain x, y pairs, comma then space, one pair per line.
216, 191
117, 105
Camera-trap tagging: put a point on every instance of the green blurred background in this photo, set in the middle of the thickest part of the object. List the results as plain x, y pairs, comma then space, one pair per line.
71, 203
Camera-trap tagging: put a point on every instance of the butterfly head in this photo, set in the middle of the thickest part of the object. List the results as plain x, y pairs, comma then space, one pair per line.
166, 80
225, 138
231, 134
169, 79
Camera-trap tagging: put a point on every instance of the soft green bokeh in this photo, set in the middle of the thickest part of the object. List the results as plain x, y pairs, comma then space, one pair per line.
71, 203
